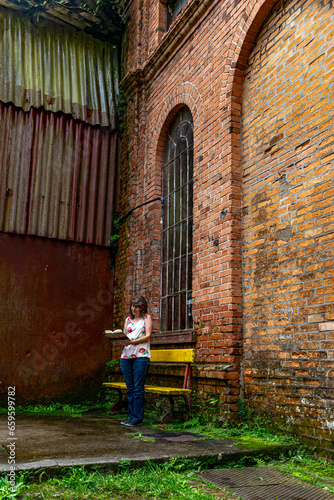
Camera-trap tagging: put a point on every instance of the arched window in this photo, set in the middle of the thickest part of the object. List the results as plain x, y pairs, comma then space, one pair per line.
176, 288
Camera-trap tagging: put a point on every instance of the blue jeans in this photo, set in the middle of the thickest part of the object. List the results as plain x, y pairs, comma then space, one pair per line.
134, 373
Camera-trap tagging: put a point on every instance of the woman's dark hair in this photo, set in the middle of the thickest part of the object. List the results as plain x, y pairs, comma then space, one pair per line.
141, 302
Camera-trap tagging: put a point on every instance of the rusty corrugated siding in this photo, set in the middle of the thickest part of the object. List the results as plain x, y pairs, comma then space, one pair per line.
57, 68
56, 176
45, 286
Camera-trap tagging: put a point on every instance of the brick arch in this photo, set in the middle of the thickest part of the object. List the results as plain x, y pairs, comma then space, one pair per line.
241, 46
184, 94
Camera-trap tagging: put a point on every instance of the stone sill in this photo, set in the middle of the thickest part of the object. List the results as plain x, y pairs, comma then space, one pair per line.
181, 337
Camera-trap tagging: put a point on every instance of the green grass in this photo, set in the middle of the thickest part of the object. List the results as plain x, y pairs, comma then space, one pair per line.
168, 482
174, 480
250, 432
59, 409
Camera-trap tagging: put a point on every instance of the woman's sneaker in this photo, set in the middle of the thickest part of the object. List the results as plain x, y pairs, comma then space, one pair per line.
126, 422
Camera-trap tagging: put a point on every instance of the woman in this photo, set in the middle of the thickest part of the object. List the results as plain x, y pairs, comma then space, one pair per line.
135, 358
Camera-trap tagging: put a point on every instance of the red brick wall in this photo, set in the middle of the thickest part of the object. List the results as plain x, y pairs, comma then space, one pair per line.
288, 223
201, 63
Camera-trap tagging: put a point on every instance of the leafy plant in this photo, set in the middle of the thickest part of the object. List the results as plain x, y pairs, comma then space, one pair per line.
111, 364
242, 408
118, 5
114, 240
124, 465
78, 479
8, 490
193, 422
184, 464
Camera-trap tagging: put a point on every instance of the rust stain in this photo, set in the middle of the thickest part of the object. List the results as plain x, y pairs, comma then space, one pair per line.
59, 176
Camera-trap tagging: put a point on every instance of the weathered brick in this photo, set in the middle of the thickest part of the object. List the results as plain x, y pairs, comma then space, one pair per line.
328, 326
315, 318
308, 184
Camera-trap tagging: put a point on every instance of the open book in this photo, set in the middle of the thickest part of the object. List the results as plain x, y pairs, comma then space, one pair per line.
112, 333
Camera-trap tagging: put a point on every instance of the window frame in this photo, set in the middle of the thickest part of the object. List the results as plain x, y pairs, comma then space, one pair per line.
173, 9
177, 256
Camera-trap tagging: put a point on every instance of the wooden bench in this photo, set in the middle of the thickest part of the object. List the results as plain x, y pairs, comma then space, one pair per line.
163, 356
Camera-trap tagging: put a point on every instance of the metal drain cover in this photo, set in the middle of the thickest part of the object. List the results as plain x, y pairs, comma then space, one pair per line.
263, 483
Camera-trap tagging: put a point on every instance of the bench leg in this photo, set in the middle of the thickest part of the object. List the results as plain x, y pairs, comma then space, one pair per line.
168, 417
120, 404
187, 402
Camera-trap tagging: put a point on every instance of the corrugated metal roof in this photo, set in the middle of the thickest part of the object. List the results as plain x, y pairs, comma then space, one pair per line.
56, 176
57, 68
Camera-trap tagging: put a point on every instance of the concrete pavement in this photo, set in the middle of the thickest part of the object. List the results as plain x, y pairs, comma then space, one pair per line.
50, 442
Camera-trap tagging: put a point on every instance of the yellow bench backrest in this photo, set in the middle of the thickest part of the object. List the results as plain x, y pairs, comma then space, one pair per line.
173, 356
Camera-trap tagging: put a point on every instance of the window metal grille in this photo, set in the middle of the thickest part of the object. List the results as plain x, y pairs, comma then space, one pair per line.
176, 283
174, 7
